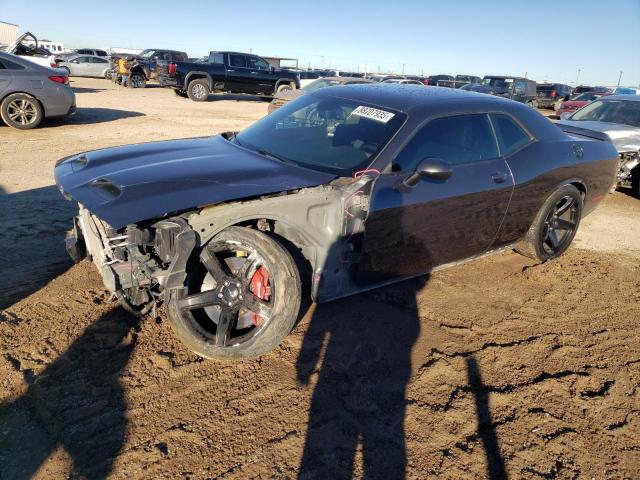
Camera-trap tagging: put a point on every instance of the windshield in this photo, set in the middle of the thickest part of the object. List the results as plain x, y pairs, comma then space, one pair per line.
321, 83
330, 134
610, 111
146, 53
497, 82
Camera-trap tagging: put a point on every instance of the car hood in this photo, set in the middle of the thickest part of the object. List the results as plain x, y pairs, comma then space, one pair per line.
624, 137
128, 184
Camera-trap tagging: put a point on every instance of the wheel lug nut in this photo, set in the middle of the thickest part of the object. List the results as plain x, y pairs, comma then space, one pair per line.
220, 295
226, 284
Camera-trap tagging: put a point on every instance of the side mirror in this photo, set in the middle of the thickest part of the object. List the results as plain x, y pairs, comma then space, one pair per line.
431, 167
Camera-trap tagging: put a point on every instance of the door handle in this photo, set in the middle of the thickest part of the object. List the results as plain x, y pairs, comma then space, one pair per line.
230, 70
499, 177
254, 73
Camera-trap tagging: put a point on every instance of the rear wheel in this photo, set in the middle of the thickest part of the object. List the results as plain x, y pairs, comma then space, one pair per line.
555, 225
21, 111
284, 86
198, 90
242, 296
137, 80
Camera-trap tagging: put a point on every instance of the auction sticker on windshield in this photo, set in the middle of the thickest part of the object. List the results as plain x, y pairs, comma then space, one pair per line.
373, 114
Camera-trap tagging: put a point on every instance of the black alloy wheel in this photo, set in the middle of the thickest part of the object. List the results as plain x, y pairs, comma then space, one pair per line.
242, 296
555, 225
560, 226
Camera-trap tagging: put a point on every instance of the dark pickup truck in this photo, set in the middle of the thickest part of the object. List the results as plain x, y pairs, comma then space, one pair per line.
226, 72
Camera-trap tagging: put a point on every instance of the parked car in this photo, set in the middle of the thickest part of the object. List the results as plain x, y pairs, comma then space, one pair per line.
95, 52
459, 82
345, 189
626, 91
285, 96
551, 95
519, 89
307, 77
585, 88
27, 46
144, 65
30, 92
226, 72
568, 107
403, 81
434, 79
618, 117
86, 66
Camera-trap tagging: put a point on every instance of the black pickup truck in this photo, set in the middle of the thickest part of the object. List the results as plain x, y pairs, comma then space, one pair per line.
226, 72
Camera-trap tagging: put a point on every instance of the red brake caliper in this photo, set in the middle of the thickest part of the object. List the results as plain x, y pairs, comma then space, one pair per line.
261, 289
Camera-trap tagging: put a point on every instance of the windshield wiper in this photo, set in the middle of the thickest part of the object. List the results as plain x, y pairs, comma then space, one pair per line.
275, 156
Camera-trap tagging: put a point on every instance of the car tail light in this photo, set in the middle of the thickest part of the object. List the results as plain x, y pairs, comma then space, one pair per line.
172, 68
53, 64
554, 94
60, 79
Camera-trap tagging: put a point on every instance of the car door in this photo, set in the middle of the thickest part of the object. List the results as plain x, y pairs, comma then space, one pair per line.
97, 66
262, 74
410, 230
79, 66
239, 77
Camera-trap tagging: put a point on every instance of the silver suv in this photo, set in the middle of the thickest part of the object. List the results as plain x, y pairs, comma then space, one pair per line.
30, 92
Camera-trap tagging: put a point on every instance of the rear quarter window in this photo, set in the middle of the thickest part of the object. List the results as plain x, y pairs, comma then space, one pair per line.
510, 135
9, 65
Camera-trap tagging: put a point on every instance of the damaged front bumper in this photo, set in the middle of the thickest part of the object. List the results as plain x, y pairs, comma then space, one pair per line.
138, 263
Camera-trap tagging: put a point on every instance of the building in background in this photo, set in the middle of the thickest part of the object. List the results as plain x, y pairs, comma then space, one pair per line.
8, 33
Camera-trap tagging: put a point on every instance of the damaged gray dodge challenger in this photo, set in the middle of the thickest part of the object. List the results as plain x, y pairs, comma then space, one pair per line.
342, 190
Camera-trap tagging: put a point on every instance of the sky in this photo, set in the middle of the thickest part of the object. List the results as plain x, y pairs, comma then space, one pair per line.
546, 40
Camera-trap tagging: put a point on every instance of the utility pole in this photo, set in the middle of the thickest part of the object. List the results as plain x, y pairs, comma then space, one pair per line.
322, 61
619, 78
578, 77
403, 69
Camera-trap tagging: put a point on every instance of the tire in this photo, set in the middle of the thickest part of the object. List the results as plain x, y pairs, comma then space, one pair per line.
21, 111
550, 224
198, 90
181, 93
635, 181
195, 315
284, 86
137, 80
532, 104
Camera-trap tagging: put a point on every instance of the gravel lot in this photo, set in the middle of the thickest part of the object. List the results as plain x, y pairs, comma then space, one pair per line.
495, 367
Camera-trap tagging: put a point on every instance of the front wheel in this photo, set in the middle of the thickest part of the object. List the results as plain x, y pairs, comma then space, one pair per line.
241, 299
555, 225
284, 86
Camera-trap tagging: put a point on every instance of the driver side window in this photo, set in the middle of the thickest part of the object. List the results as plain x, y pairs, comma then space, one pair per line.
458, 140
257, 63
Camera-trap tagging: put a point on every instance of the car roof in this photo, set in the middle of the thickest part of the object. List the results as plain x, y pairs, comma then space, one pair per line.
406, 98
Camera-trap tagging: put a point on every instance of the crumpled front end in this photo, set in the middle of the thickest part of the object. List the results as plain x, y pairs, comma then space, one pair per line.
137, 263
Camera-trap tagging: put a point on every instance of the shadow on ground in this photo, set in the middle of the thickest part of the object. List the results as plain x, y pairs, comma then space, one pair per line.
216, 97
86, 89
76, 403
32, 240
88, 116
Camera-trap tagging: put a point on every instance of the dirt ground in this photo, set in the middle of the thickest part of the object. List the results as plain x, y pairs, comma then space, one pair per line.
494, 368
